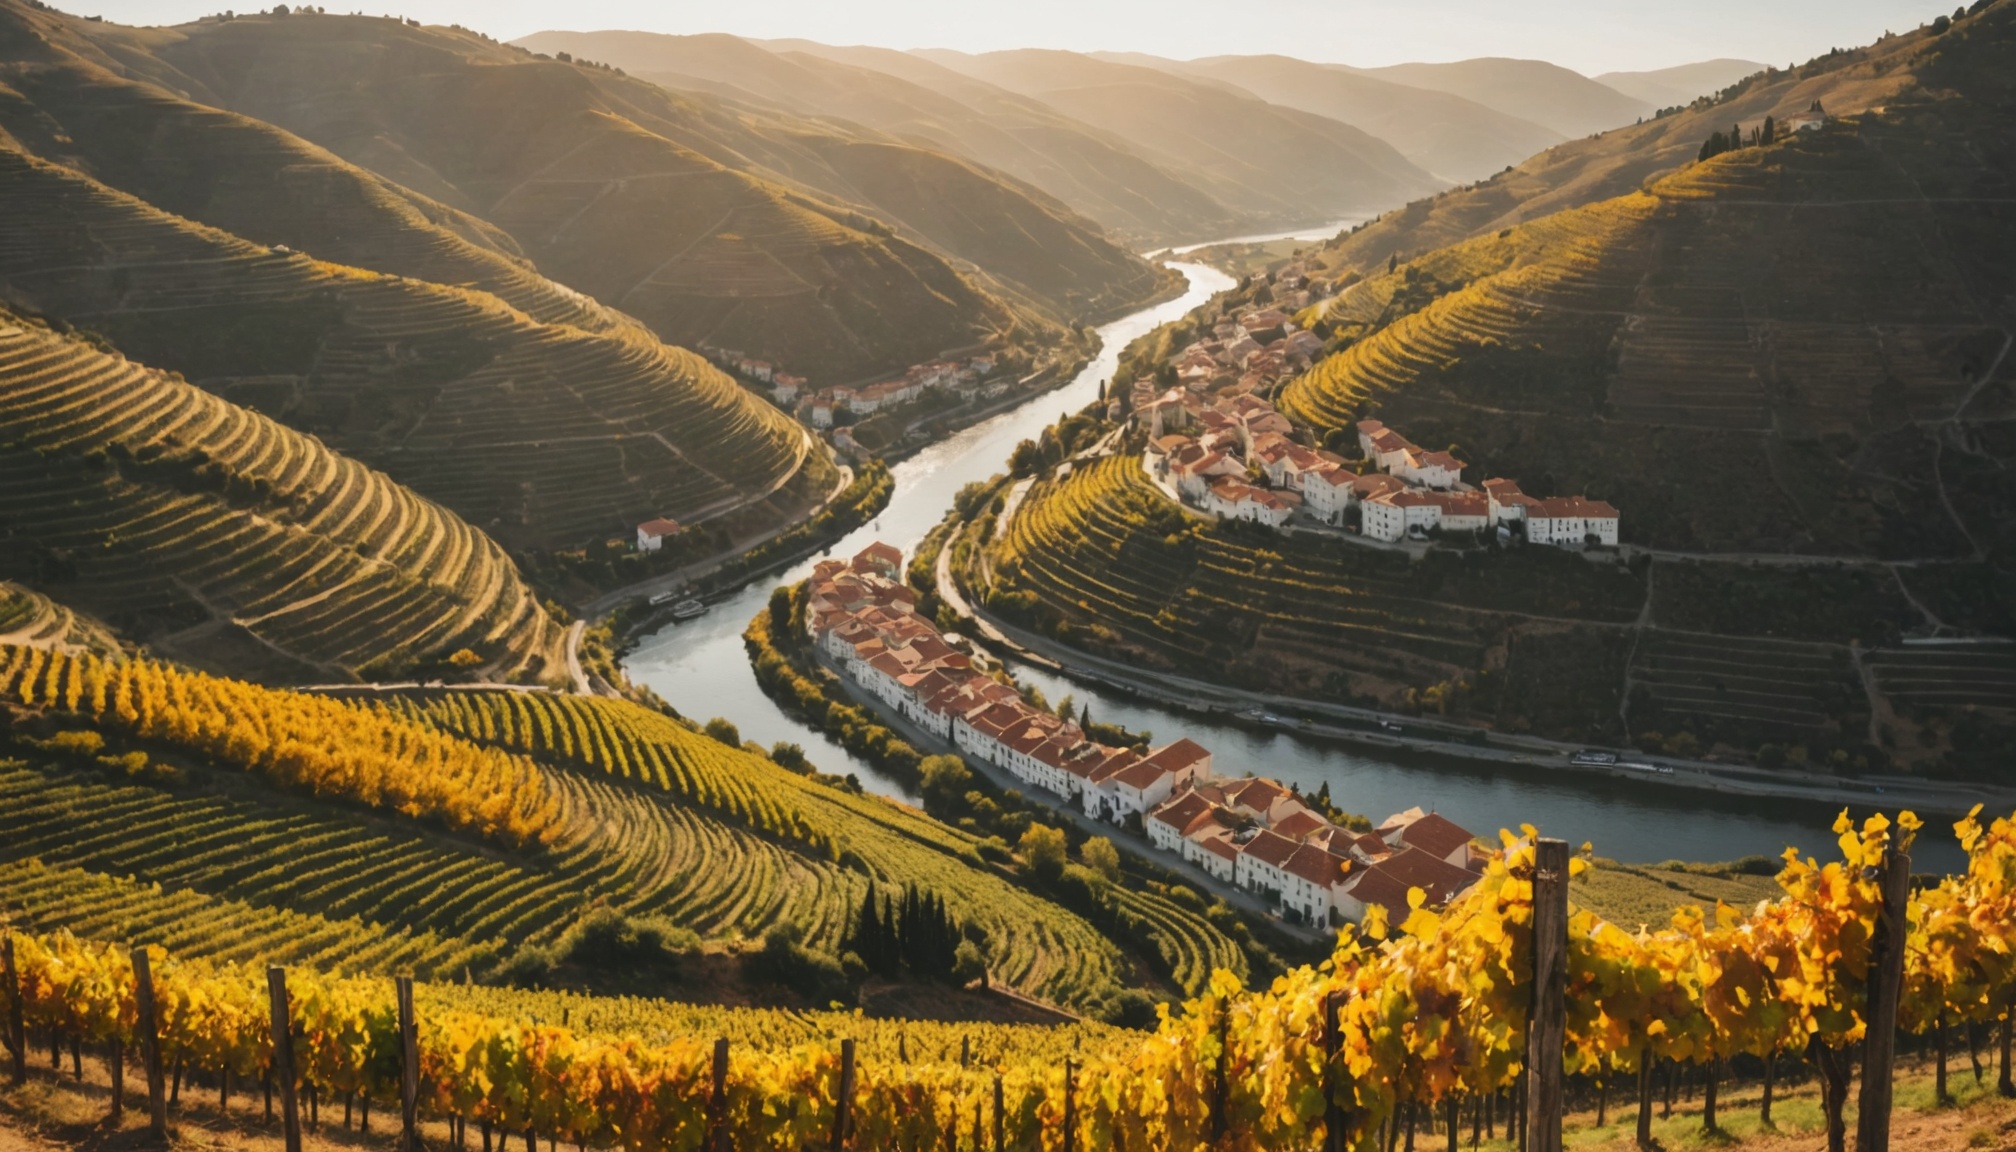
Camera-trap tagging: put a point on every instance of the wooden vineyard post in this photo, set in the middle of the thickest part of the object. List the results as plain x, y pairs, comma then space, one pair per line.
1886, 986
1000, 1122
1548, 1020
409, 1065
148, 1028
283, 1055
1335, 1139
1070, 1106
17, 1030
717, 1101
843, 1099
1221, 1087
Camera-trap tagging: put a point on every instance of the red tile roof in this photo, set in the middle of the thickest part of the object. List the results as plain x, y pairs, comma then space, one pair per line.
1269, 848
1314, 865
1436, 835
1299, 825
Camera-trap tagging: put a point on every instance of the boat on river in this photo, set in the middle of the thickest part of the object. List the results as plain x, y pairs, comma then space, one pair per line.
688, 610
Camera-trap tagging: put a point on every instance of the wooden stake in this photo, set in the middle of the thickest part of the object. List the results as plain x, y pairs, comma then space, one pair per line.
1886, 985
717, 1104
148, 1028
115, 1067
409, 1065
843, 1097
17, 1030
1070, 1106
283, 1055
1221, 1088
1549, 1019
1335, 1139
1000, 1123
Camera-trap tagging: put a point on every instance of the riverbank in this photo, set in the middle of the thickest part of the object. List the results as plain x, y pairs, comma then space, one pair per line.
804, 680
1369, 728
701, 664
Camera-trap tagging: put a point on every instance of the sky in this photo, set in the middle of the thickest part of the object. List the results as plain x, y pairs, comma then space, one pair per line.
1590, 36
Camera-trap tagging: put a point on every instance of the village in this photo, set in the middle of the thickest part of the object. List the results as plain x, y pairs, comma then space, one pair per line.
831, 407
1250, 833
1217, 444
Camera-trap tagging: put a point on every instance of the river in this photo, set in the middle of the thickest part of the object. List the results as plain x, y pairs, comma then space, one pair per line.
701, 668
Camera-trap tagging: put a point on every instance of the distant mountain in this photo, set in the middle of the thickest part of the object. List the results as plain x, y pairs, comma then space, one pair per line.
1546, 94
839, 254
1095, 173
1273, 163
1669, 87
1453, 137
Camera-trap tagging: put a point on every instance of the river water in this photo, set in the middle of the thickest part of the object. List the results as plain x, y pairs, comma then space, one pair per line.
701, 668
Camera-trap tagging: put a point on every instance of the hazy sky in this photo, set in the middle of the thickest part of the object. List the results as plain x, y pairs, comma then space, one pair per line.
1588, 35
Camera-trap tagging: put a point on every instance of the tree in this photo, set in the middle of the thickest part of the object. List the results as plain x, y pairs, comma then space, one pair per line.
969, 963
1100, 856
724, 731
945, 782
1043, 851
1770, 131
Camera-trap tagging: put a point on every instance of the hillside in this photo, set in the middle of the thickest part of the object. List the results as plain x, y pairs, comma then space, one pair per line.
1671, 87
219, 844
1622, 160
220, 538
1268, 162
1448, 135
1097, 174
828, 249
543, 435
28, 617
1787, 366
1546, 94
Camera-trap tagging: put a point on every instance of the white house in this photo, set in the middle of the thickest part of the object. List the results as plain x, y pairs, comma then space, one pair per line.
1570, 521
1391, 515
1507, 503
1429, 469
1258, 868
1326, 491
1464, 511
652, 534
1231, 498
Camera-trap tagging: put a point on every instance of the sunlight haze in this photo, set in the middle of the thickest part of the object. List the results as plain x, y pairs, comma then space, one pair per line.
1589, 37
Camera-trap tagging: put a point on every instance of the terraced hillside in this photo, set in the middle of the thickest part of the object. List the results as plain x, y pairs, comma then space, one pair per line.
544, 435
703, 836
219, 537
1617, 162
71, 102
837, 252
1778, 663
1783, 349
1101, 558
29, 617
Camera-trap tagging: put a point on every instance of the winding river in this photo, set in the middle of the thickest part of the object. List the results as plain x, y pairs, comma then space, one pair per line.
701, 668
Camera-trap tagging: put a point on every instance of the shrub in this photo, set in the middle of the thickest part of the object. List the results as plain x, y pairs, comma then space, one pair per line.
1101, 857
1043, 851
